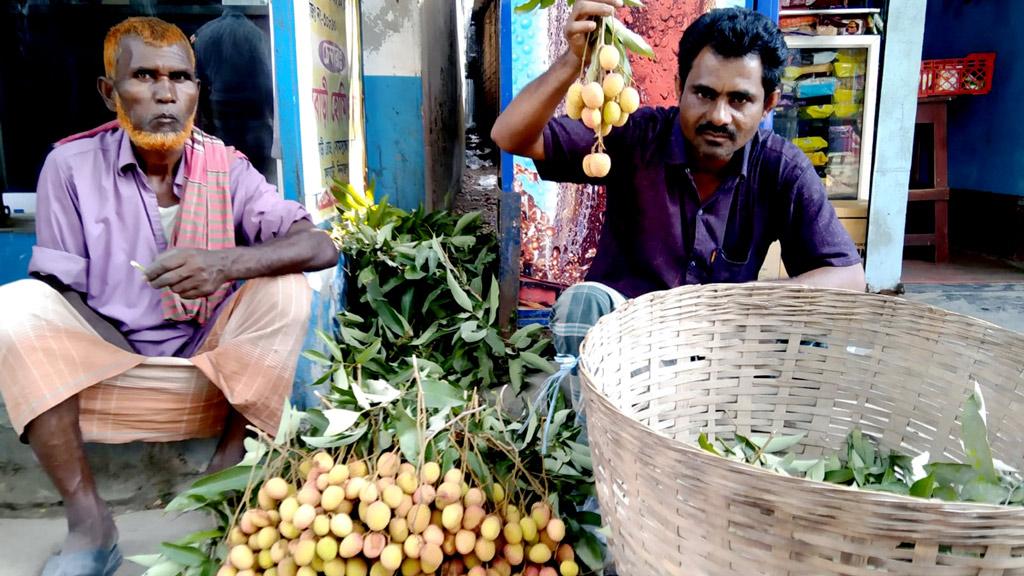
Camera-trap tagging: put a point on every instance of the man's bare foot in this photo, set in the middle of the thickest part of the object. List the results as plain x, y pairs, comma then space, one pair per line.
90, 526
231, 448
227, 455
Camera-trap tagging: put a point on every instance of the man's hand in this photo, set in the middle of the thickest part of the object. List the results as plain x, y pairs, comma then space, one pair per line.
584, 20
190, 273
519, 129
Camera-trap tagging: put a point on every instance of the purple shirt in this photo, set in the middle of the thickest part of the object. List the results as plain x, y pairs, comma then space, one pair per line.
657, 234
96, 212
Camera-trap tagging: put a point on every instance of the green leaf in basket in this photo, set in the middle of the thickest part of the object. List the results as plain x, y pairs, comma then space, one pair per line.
979, 490
950, 474
702, 440
891, 487
947, 493
863, 448
1017, 496
816, 472
859, 472
841, 476
974, 435
800, 466
747, 442
833, 463
923, 488
772, 443
890, 474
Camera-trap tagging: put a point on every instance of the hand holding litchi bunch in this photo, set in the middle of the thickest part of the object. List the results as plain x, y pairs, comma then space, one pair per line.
603, 97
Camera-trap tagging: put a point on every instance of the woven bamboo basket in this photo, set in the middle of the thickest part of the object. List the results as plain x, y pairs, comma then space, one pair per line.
765, 358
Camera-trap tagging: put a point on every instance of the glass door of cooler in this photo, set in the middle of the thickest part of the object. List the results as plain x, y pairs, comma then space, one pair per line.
827, 108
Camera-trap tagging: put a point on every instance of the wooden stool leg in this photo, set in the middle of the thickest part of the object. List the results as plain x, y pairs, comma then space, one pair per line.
941, 230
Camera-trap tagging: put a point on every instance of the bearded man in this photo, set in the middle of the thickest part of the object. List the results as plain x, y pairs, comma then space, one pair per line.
92, 349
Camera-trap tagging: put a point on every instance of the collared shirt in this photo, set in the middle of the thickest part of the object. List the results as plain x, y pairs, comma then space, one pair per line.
96, 213
658, 234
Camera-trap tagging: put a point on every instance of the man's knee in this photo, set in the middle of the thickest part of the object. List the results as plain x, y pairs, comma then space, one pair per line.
290, 292
582, 303
22, 301
577, 309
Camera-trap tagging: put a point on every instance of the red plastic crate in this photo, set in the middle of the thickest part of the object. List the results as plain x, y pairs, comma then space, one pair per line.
954, 76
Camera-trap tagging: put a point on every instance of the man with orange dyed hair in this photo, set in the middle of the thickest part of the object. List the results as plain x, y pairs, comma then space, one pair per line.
92, 349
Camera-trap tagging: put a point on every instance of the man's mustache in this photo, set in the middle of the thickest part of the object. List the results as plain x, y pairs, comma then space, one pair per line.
709, 128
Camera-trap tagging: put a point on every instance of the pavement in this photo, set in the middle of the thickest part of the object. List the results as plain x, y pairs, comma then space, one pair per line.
26, 543
1001, 304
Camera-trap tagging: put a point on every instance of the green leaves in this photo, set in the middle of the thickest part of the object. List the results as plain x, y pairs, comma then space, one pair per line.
339, 421
461, 298
631, 40
424, 285
703, 442
407, 434
974, 436
868, 467
213, 488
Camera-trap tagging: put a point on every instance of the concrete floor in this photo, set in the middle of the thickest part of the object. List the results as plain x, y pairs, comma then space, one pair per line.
1000, 304
26, 543
963, 268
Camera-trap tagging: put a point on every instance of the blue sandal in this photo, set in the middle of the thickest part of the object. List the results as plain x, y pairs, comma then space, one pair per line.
84, 563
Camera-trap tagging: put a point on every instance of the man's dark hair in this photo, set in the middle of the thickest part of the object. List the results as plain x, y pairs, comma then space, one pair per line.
735, 33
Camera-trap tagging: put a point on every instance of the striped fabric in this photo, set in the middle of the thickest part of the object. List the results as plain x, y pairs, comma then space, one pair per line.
205, 221
48, 353
577, 310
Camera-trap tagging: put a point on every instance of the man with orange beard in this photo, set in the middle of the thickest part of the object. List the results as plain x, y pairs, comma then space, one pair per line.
92, 349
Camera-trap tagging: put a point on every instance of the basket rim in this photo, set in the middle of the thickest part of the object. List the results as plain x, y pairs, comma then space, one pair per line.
592, 394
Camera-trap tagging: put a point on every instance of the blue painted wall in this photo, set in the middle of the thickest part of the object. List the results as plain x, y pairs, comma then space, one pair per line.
985, 151
15, 252
394, 138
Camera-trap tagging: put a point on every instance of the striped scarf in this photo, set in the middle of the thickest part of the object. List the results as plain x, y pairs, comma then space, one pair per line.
205, 219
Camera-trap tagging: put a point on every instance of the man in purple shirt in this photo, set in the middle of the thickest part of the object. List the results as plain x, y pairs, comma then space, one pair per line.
152, 190
696, 193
